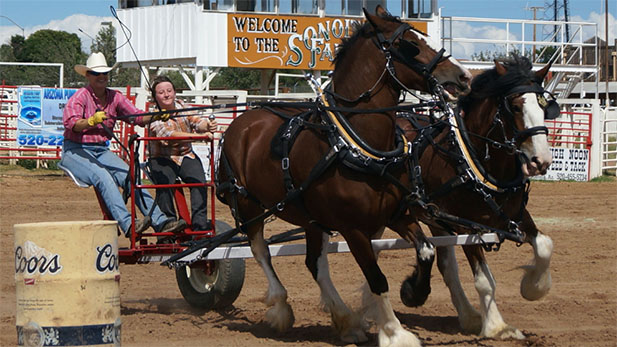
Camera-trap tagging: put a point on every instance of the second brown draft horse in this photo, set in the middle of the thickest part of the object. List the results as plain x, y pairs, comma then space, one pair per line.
333, 176
474, 173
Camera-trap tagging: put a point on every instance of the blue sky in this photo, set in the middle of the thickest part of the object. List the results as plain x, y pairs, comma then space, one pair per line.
87, 15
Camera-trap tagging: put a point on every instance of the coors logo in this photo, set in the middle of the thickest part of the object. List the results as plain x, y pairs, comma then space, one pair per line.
107, 259
32, 259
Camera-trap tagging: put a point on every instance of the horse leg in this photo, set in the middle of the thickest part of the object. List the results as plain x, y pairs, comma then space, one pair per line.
493, 324
468, 317
347, 323
416, 288
280, 315
391, 333
536, 281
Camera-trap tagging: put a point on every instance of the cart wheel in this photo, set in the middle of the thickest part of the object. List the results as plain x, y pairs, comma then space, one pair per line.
212, 284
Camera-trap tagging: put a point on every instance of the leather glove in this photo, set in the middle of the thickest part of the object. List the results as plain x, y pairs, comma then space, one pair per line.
163, 117
212, 125
97, 118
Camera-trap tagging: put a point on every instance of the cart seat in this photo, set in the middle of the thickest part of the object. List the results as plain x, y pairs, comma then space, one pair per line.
104, 210
70, 174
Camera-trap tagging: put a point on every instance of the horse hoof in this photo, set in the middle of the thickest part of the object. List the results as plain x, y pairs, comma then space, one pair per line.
349, 327
412, 294
507, 332
355, 336
280, 317
535, 286
399, 337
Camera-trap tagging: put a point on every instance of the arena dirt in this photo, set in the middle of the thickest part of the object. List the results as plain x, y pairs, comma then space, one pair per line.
580, 310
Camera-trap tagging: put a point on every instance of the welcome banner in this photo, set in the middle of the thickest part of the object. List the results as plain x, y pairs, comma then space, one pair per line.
288, 42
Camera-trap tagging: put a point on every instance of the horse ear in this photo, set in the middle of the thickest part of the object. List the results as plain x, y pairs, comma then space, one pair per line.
374, 20
501, 70
540, 74
381, 12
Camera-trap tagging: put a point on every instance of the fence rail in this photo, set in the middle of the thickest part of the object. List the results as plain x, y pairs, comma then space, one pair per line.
573, 129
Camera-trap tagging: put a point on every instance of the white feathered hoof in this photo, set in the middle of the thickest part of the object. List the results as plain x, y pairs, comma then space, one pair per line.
534, 285
280, 317
397, 337
537, 281
504, 332
349, 328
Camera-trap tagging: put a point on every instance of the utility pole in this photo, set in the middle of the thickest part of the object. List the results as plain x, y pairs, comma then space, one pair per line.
607, 103
533, 52
555, 17
566, 19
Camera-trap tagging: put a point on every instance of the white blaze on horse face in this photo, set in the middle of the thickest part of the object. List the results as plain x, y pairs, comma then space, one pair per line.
535, 147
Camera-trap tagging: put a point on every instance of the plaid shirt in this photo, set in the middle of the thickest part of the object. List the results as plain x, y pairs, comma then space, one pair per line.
175, 150
84, 104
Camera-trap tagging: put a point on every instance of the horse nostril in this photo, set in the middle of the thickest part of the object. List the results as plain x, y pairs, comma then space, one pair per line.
536, 161
465, 78
541, 166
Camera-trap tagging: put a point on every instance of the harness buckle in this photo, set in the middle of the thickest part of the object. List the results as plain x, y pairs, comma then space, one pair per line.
285, 163
339, 145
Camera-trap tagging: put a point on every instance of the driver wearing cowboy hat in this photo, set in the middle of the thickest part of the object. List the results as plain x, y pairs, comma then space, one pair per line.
89, 116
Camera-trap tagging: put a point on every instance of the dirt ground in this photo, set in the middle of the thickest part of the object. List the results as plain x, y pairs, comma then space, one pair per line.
580, 310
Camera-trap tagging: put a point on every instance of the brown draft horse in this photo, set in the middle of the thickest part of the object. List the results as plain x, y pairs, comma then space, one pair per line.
357, 204
504, 122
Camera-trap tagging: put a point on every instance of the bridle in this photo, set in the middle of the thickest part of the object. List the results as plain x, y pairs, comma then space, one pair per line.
504, 115
549, 106
405, 53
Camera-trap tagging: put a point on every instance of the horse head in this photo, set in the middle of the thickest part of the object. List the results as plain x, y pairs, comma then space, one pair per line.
513, 93
386, 47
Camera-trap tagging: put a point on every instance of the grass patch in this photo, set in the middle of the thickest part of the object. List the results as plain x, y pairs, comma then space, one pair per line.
604, 178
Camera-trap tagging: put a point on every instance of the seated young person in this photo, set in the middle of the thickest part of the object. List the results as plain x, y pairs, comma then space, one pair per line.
170, 159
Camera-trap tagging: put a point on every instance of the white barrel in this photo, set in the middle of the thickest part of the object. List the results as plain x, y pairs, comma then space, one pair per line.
67, 281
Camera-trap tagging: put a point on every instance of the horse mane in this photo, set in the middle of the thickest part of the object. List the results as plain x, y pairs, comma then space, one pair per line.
360, 30
490, 83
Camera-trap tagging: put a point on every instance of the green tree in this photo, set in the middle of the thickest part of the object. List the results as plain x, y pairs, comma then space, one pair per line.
489, 55
10, 74
44, 46
544, 57
237, 78
105, 42
51, 46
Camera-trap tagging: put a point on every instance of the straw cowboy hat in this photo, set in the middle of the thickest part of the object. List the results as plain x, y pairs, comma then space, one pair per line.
96, 62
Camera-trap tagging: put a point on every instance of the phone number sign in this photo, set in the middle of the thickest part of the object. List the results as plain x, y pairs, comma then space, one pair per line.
569, 164
39, 115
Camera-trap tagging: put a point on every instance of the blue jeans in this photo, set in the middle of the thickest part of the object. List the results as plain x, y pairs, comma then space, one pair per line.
98, 166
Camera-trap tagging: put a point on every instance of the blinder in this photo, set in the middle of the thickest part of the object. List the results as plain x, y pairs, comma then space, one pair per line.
550, 106
546, 100
407, 50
